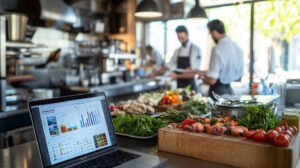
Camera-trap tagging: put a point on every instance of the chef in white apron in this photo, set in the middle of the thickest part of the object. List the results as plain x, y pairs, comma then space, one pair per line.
188, 56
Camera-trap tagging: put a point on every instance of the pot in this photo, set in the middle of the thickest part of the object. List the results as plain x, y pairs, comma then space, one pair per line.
16, 26
231, 108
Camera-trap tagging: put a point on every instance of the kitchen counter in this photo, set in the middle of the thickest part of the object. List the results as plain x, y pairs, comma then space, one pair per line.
27, 155
120, 88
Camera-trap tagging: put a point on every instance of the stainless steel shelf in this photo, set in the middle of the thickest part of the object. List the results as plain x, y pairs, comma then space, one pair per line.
13, 44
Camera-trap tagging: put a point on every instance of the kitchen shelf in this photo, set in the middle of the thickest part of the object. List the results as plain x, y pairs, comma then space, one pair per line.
14, 44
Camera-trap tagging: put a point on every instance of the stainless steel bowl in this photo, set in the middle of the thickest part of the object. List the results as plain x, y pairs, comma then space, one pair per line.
16, 26
232, 108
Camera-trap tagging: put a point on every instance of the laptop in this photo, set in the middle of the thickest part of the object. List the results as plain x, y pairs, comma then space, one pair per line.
77, 131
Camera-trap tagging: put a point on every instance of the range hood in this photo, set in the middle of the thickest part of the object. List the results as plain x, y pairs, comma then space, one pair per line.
45, 13
57, 10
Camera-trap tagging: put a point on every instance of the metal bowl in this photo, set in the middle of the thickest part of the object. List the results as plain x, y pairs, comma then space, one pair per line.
232, 108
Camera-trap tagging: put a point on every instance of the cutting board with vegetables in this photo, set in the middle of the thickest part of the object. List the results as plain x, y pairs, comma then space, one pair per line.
229, 150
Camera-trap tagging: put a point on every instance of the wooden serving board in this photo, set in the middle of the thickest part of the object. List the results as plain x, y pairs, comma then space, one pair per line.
229, 150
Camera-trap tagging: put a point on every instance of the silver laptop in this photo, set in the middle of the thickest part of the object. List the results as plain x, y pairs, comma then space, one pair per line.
77, 131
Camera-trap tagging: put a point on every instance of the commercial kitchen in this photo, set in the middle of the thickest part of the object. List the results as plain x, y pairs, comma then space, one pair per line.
149, 83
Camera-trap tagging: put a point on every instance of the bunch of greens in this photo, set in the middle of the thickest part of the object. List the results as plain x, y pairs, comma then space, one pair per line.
138, 125
196, 107
259, 116
173, 116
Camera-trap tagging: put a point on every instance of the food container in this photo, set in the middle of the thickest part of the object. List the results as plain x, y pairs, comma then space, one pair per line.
16, 26
231, 108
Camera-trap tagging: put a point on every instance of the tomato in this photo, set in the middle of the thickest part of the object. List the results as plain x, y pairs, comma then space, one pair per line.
260, 136
272, 134
282, 127
249, 134
288, 132
292, 130
295, 129
111, 108
285, 125
278, 129
281, 140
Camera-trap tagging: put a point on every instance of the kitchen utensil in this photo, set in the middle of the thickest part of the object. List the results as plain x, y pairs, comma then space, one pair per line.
232, 108
16, 26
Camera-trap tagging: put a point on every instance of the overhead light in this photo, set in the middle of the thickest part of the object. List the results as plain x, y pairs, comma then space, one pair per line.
148, 9
197, 11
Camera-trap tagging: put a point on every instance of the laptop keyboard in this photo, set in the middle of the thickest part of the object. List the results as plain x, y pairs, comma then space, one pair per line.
110, 160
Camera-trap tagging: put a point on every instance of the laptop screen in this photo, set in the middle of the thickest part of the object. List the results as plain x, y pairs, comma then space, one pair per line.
73, 128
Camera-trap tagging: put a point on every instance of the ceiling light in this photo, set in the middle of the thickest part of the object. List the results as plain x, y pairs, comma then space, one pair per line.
148, 9
197, 11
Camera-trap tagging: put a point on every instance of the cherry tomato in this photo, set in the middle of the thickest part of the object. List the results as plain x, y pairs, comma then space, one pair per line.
282, 140
260, 136
272, 134
282, 127
295, 129
249, 134
288, 132
292, 130
278, 129
285, 124
111, 108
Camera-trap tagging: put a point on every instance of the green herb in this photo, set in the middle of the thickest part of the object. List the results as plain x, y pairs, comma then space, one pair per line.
173, 116
259, 116
196, 107
138, 125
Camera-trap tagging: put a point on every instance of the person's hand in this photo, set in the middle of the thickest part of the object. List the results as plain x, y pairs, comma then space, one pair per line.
151, 75
173, 76
188, 70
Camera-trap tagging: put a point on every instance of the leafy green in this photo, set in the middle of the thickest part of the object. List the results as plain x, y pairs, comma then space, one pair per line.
173, 116
138, 125
196, 107
259, 116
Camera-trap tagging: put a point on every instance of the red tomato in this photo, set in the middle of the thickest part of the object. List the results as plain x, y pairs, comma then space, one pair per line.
272, 134
295, 129
288, 132
111, 108
260, 136
281, 140
282, 127
249, 134
292, 130
278, 129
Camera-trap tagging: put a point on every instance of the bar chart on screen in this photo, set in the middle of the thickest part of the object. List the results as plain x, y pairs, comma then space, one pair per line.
89, 114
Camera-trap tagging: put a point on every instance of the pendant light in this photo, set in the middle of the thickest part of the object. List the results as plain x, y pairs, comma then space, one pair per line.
197, 11
148, 9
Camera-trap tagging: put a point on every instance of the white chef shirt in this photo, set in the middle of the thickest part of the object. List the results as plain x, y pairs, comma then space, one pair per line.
226, 62
195, 60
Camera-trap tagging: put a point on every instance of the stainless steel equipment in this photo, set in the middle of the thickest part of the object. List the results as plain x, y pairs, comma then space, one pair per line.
16, 26
2, 64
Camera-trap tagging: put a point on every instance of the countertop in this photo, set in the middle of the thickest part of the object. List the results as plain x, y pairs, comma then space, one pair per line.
26, 155
135, 86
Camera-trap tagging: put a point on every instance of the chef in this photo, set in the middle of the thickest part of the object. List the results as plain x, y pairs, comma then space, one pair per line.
153, 57
226, 62
186, 57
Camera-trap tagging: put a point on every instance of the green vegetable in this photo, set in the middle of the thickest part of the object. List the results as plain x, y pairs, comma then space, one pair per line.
138, 125
173, 116
259, 116
196, 107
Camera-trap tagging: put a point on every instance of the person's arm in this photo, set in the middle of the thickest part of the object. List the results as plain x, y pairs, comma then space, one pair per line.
170, 66
212, 74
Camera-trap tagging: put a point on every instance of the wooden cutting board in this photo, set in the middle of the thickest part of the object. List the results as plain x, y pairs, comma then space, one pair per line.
229, 150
